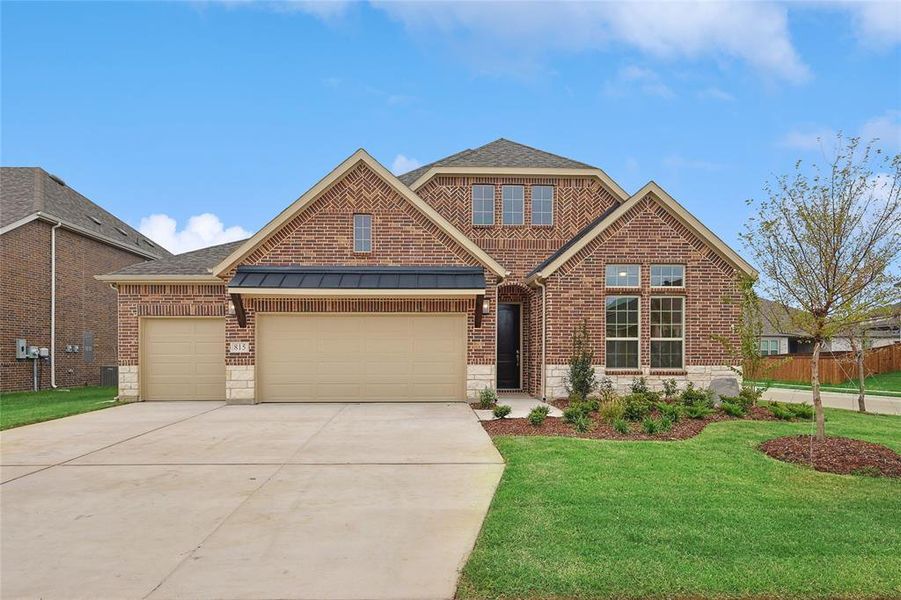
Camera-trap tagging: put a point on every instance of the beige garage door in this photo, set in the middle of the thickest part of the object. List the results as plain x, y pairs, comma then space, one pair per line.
183, 358
361, 358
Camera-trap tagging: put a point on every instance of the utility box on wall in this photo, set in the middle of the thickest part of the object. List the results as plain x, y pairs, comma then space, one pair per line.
21, 349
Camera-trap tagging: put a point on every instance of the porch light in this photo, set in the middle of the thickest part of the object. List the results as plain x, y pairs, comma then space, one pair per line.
231, 307
486, 306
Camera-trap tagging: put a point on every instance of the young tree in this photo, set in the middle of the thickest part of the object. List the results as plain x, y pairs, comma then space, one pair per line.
827, 242
860, 343
581, 378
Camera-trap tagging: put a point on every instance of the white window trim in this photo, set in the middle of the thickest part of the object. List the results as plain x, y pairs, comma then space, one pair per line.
355, 233
666, 287
532, 198
769, 341
472, 202
523, 211
624, 286
622, 339
669, 339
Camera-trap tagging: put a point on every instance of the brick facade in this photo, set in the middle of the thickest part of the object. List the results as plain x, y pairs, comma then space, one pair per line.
83, 304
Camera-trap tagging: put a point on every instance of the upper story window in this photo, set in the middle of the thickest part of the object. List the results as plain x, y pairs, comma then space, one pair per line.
542, 205
622, 275
621, 332
483, 204
362, 233
513, 205
667, 276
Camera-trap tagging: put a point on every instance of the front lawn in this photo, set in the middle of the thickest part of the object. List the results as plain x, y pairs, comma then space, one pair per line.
23, 408
883, 384
707, 517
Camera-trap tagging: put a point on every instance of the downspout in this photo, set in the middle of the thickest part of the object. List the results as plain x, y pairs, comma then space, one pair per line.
53, 304
543, 339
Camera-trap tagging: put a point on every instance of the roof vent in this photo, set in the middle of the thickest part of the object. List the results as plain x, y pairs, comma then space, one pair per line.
122, 231
149, 243
96, 220
57, 179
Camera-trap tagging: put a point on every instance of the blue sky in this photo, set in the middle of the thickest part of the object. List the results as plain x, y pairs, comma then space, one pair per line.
161, 112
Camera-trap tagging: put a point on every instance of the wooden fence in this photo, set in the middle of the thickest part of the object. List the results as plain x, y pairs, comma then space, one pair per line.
835, 367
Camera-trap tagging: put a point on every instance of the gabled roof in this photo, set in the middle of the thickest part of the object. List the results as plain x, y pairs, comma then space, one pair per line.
505, 157
197, 264
29, 193
594, 229
311, 195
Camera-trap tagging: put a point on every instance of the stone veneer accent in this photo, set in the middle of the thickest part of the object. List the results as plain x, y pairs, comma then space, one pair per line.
701, 376
129, 386
240, 384
478, 377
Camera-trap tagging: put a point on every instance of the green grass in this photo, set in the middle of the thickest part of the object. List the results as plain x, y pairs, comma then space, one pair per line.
708, 517
23, 408
885, 384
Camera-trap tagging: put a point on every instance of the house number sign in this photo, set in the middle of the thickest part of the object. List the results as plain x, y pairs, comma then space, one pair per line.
239, 347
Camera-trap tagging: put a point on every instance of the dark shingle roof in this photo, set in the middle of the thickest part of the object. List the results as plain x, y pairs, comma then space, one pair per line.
575, 239
363, 278
25, 191
500, 153
196, 262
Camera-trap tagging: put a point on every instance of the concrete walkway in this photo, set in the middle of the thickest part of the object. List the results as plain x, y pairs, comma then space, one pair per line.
202, 500
884, 405
520, 406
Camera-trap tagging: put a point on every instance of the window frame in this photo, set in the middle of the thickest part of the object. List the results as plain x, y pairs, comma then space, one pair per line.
522, 206
666, 287
769, 341
472, 200
360, 228
636, 339
619, 266
652, 339
550, 212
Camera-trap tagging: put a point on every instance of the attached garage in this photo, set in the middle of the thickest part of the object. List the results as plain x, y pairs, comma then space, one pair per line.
182, 358
361, 357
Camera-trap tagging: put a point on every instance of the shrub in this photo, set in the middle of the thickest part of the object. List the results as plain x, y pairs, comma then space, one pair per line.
650, 426
636, 407
501, 411
581, 376
673, 412
801, 411
582, 423
538, 414
666, 423
692, 396
621, 426
610, 411
571, 413
670, 388
749, 396
733, 409
697, 412
606, 391
781, 411
639, 385
487, 398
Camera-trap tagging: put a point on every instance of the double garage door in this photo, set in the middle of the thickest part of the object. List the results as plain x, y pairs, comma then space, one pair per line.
312, 358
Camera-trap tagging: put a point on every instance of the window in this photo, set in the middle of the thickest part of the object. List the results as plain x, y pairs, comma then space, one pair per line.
667, 337
622, 332
542, 205
483, 205
667, 276
622, 275
769, 347
513, 205
362, 233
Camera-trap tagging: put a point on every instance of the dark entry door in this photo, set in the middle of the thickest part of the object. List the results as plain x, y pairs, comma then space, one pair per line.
508, 346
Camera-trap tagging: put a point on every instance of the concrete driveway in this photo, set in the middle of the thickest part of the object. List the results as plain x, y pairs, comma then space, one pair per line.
202, 500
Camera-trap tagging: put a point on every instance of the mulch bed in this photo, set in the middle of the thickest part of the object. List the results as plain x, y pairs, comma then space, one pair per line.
835, 455
553, 426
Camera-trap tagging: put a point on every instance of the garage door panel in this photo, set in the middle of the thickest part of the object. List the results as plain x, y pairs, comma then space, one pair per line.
385, 357
183, 358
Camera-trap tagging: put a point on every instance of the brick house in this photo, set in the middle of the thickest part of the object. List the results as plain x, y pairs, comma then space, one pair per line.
469, 272
48, 228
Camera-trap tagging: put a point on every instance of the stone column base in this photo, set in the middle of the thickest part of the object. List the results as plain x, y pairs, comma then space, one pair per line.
129, 386
239, 384
479, 377
700, 376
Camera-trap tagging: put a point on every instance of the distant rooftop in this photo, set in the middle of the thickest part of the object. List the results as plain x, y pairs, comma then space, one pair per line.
196, 262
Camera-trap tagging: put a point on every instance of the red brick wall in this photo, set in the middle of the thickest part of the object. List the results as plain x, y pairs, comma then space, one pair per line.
83, 303
646, 235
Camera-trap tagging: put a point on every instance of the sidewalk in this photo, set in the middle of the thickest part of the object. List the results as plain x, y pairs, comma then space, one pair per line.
883, 405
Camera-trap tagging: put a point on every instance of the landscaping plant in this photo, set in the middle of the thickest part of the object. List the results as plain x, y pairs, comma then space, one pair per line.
650, 426
501, 410
732, 408
538, 414
581, 378
621, 426
698, 411
692, 396
611, 410
670, 388
606, 391
487, 398
639, 385
582, 423
673, 412
636, 407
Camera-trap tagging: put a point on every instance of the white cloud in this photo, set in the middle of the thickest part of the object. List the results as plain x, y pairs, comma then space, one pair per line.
715, 93
877, 24
640, 78
886, 127
327, 10
403, 164
679, 163
201, 231
819, 138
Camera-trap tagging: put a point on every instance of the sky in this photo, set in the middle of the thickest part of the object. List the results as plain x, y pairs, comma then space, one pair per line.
198, 122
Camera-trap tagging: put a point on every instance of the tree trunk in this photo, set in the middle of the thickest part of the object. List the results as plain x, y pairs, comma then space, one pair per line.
861, 375
815, 385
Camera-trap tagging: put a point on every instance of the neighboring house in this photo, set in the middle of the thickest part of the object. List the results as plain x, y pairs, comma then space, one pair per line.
778, 337
47, 227
469, 272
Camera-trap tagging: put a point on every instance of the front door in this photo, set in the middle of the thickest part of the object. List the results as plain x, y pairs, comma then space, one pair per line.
508, 350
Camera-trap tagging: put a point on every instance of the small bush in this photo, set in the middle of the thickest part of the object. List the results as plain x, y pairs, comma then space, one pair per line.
639, 385
636, 407
571, 413
650, 426
538, 414
670, 388
621, 426
781, 411
666, 423
582, 423
673, 412
610, 411
487, 398
698, 412
801, 411
692, 396
581, 378
733, 409
501, 411
749, 396
606, 391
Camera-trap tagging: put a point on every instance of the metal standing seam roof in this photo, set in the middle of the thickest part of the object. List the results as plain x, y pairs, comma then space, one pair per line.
362, 278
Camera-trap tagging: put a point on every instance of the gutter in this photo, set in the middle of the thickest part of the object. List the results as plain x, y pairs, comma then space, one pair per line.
53, 303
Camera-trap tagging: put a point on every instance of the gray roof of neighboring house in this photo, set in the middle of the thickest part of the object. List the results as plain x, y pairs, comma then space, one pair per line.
363, 278
775, 322
499, 153
196, 262
26, 191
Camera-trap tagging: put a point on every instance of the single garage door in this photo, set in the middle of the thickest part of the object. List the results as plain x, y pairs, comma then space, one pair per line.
361, 358
183, 358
